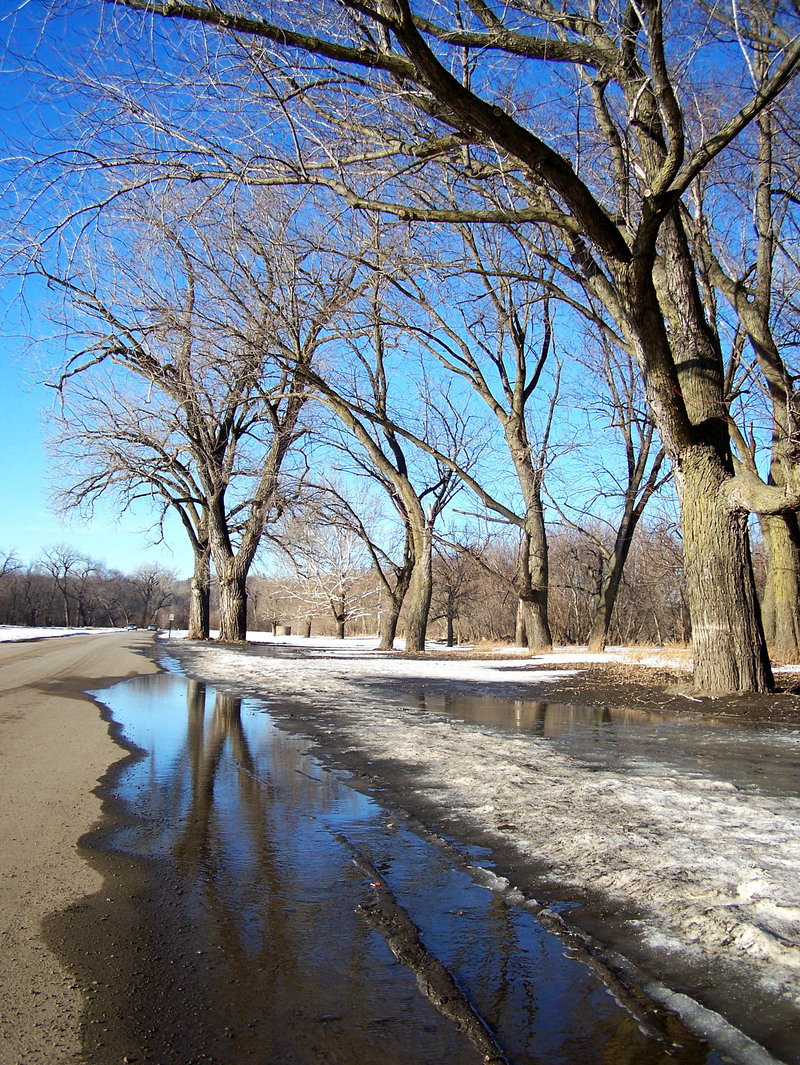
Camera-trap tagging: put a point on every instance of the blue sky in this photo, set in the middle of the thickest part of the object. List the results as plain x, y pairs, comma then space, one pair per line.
28, 524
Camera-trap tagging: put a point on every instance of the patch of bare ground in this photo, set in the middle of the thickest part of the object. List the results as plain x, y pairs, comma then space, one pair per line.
54, 746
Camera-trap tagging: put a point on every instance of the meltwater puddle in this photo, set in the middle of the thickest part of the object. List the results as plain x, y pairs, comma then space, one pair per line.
299, 921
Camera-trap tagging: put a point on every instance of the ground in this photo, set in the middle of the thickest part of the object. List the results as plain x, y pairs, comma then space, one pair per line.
54, 748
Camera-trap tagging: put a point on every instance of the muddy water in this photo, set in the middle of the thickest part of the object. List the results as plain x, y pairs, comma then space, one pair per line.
303, 922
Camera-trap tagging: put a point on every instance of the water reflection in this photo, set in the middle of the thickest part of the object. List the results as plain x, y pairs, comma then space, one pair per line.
549, 720
752, 756
258, 840
199, 843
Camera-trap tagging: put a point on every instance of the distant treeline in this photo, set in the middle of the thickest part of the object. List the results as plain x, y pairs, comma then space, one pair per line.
65, 587
474, 599
470, 604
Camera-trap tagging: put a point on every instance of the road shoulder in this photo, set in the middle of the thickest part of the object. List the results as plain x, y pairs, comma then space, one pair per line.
54, 747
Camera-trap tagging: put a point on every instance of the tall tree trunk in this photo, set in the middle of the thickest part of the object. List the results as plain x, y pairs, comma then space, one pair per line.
781, 606
601, 623
781, 609
394, 599
449, 628
685, 385
537, 628
199, 596
391, 615
730, 652
418, 598
232, 568
532, 577
232, 605
533, 585
339, 611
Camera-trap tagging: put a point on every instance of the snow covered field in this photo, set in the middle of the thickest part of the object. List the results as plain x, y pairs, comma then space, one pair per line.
701, 872
13, 633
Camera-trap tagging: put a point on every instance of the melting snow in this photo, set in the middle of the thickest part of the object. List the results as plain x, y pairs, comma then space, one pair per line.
14, 633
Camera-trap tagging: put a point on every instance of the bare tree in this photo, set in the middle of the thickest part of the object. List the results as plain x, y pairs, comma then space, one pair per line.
218, 314
361, 389
454, 588
270, 602
755, 273
466, 98
70, 571
34, 602
10, 567
329, 563
154, 588
9, 563
492, 328
386, 538
112, 439
651, 599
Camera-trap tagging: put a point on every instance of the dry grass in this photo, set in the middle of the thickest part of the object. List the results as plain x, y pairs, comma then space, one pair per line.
487, 646
671, 655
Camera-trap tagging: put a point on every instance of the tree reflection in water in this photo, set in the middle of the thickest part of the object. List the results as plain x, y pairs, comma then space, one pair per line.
271, 896
259, 842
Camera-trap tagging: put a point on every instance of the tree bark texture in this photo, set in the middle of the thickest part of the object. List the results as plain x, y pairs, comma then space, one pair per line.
730, 652
394, 598
532, 580
199, 597
520, 636
391, 615
781, 607
537, 629
601, 623
684, 380
233, 607
418, 597
533, 584
339, 611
